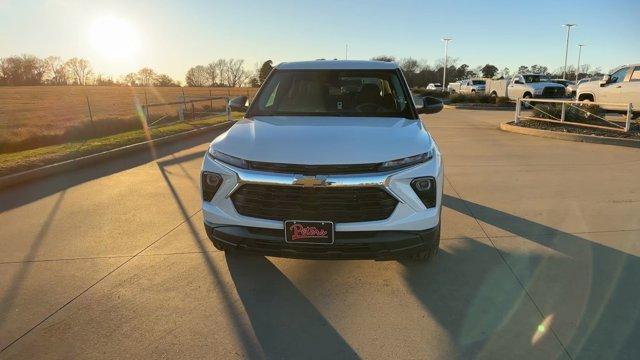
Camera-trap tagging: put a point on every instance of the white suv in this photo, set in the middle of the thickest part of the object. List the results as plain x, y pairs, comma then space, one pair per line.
616, 91
330, 160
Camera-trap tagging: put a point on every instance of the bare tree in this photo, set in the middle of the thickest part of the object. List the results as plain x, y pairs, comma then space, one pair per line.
451, 61
103, 80
197, 76
130, 79
146, 76
80, 70
235, 74
409, 65
386, 58
213, 71
22, 70
55, 71
165, 80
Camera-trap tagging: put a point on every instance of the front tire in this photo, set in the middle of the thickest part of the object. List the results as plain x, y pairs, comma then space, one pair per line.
527, 105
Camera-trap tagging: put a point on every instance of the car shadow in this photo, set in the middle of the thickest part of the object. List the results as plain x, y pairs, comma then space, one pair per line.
285, 322
474, 297
590, 291
21, 194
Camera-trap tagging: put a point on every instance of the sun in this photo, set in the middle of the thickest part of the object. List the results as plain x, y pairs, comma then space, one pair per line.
114, 38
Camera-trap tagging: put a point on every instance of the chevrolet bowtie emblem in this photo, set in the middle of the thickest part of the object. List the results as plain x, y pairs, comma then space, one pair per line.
310, 180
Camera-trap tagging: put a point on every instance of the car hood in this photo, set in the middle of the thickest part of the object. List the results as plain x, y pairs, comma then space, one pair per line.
540, 85
316, 140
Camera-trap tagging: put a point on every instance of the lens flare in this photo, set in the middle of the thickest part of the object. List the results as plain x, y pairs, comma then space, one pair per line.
542, 329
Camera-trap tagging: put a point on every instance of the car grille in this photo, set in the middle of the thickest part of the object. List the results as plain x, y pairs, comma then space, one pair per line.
314, 169
337, 204
553, 92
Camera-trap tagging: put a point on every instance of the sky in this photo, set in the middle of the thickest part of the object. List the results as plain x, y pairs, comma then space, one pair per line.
121, 36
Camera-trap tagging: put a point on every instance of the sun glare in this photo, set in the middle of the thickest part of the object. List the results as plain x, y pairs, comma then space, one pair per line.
114, 38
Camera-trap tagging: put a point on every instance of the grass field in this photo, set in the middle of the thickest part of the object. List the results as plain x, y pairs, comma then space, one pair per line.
30, 159
36, 116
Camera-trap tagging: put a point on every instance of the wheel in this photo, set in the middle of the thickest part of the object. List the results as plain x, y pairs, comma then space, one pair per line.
527, 105
429, 253
586, 98
493, 94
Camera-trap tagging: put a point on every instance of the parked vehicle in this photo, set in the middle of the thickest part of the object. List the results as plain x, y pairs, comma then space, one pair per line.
573, 88
621, 86
468, 86
525, 86
565, 83
435, 86
330, 160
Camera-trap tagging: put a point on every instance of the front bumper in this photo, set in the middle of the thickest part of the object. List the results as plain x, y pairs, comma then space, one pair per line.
410, 214
378, 245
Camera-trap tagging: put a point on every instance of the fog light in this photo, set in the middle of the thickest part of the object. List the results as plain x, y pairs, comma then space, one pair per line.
422, 185
426, 190
210, 184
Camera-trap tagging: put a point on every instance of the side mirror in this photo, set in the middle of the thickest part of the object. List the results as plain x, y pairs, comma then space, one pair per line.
605, 80
430, 105
238, 104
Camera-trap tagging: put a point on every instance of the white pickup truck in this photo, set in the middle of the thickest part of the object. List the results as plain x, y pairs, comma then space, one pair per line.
525, 86
469, 86
621, 87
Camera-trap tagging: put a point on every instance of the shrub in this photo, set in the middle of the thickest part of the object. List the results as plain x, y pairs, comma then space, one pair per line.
580, 113
432, 93
472, 98
502, 100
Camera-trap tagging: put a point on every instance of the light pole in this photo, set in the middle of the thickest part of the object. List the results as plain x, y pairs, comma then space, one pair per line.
444, 71
579, 53
566, 52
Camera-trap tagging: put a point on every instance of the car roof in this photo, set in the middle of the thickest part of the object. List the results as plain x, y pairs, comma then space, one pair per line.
338, 65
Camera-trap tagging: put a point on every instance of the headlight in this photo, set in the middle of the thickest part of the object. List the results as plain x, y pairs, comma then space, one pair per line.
408, 161
228, 159
538, 91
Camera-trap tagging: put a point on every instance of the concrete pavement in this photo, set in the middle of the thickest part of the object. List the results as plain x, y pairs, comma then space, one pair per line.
539, 260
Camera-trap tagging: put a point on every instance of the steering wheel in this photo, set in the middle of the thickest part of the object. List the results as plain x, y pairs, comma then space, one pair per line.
369, 107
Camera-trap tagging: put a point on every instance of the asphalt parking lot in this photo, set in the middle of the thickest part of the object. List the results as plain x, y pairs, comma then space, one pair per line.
539, 259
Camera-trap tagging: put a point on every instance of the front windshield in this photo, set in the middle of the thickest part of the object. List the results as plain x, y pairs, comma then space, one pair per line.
478, 82
535, 78
333, 93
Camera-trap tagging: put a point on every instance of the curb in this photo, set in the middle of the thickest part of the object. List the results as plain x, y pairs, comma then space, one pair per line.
569, 136
48, 170
478, 107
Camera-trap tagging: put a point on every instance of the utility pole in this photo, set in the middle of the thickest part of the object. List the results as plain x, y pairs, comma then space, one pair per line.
579, 53
346, 51
566, 51
444, 71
